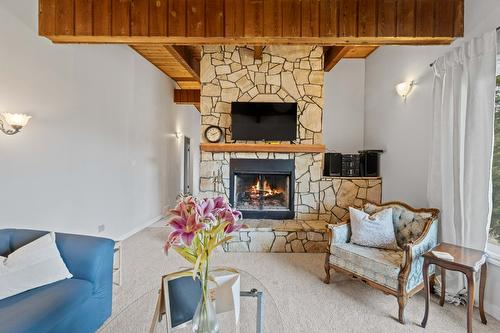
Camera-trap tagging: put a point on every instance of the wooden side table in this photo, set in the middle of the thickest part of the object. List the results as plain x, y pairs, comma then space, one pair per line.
467, 261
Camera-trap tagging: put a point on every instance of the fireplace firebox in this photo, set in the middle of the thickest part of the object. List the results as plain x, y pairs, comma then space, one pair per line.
263, 188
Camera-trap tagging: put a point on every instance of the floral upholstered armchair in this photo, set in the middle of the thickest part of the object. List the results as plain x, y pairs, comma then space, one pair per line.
398, 273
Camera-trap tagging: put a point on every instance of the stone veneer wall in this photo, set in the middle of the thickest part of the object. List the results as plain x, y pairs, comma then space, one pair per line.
285, 74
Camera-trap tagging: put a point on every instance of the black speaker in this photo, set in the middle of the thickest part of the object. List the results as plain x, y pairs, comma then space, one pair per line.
333, 165
370, 163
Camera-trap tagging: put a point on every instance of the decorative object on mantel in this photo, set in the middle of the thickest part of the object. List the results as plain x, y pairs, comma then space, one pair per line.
404, 89
16, 122
200, 226
213, 134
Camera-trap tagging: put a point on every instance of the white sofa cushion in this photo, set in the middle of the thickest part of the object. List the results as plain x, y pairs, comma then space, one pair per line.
375, 230
34, 265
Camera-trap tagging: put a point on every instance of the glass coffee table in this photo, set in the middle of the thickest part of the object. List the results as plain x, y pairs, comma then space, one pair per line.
137, 316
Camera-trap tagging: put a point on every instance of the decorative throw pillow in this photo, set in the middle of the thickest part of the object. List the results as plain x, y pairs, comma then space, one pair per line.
34, 265
375, 230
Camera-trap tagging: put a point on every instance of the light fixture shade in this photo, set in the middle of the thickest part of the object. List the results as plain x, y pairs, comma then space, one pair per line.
16, 120
404, 89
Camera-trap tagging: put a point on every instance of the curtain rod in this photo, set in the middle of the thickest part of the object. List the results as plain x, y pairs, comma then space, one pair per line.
432, 63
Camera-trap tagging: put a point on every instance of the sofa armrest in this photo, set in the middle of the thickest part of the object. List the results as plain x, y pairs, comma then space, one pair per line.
412, 267
340, 233
88, 258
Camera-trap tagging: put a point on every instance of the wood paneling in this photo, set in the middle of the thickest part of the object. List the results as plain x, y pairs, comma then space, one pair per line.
196, 18
47, 17
102, 18
273, 19
177, 18
424, 24
348, 18
65, 17
406, 18
360, 52
367, 18
262, 147
387, 14
259, 22
310, 18
214, 26
328, 19
168, 60
139, 14
83, 17
158, 17
254, 18
234, 14
120, 18
291, 19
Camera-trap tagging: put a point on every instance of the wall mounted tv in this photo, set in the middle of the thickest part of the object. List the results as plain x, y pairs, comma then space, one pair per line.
264, 121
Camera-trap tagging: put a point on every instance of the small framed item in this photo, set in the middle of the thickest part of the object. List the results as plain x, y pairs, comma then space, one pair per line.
213, 134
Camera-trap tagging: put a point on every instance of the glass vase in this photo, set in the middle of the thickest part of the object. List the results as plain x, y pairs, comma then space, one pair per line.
205, 316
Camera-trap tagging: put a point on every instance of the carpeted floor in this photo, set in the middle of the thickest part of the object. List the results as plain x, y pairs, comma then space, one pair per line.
294, 281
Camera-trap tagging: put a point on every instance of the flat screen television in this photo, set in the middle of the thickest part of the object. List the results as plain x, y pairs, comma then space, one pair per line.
264, 121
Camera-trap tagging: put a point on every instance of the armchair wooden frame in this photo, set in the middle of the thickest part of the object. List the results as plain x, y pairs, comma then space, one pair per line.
400, 293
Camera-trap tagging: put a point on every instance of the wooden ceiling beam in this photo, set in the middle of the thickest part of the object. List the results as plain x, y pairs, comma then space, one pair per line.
334, 54
187, 96
252, 22
258, 52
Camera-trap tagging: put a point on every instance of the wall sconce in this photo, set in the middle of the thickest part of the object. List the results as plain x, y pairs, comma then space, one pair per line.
15, 121
404, 89
178, 134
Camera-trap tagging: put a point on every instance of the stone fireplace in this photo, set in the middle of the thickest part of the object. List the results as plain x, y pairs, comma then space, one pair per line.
263, 188
286, 202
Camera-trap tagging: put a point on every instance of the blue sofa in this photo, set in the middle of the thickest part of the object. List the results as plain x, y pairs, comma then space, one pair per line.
77, 305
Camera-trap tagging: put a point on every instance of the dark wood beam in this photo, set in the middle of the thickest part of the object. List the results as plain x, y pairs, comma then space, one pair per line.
187, 96
258, 52
333, 55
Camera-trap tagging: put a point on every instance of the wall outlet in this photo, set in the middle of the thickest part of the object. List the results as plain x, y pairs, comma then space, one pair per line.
101, 227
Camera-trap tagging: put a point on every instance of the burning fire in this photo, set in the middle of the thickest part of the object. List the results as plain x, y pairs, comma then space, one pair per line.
264, 188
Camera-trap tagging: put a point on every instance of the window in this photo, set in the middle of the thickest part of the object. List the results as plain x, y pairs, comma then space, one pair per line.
494, 238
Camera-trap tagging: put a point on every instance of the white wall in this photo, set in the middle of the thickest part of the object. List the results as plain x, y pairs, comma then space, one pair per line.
100, 148
403, 129
343, 115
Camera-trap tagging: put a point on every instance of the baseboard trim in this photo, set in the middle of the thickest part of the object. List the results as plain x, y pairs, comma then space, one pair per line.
139, 228
492, 309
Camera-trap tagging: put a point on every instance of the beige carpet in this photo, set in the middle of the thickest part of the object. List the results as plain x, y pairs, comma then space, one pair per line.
294, 281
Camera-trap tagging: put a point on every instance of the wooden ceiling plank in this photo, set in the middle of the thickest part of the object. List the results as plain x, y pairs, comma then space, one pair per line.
120, 18
83, 17
333, 55
139, 12
158, 17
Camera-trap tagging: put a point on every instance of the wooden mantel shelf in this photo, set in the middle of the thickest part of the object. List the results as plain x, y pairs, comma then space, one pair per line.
262, 148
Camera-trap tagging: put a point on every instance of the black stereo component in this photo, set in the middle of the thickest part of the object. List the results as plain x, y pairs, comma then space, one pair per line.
350, 165
370, 163
333, 165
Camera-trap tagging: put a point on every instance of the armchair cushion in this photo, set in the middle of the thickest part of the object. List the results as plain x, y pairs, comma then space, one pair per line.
408, 224
378, 265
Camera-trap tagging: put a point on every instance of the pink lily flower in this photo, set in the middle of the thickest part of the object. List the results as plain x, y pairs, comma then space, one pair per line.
185, 227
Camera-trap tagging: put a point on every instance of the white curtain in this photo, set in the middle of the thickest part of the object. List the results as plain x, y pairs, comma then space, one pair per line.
462, 141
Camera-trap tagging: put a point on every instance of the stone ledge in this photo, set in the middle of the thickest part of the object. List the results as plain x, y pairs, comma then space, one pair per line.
282, 236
